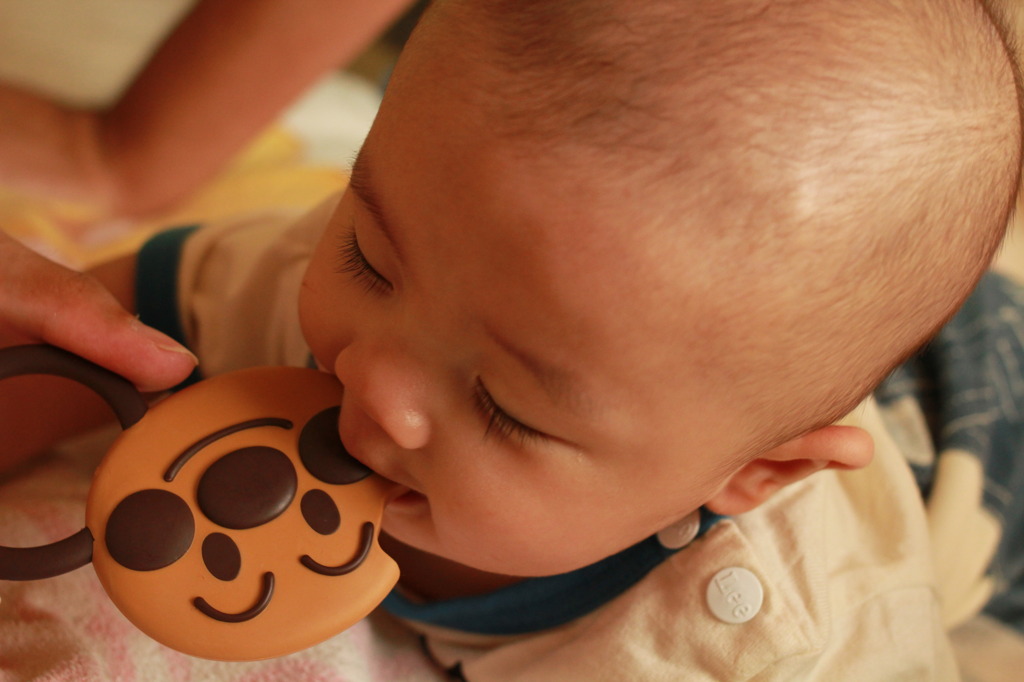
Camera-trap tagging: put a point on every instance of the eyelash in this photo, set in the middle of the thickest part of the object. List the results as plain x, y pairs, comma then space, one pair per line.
500, 422
352, 261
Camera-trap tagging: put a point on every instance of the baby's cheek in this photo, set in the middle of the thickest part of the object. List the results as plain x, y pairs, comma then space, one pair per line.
319, 302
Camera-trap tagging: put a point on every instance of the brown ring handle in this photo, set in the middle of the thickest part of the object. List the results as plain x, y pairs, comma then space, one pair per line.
126, 401
75, 551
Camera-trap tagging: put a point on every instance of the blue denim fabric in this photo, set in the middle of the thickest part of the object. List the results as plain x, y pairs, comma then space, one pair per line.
156, 286
969, 383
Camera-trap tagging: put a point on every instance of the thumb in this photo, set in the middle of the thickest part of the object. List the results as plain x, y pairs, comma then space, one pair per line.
43, 301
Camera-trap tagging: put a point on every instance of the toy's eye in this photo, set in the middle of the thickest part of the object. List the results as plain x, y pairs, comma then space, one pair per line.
247, 488
322, 452
149, 529
320, 512
222, 556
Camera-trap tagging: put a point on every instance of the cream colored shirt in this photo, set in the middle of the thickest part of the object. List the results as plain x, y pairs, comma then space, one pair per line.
845, 566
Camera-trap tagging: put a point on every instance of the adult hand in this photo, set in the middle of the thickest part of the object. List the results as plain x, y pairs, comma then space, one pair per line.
41, 301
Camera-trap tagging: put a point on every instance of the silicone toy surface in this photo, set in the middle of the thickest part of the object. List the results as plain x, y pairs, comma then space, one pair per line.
227, 521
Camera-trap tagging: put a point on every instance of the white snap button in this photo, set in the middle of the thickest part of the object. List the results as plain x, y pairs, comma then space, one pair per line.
681, 533
735, 595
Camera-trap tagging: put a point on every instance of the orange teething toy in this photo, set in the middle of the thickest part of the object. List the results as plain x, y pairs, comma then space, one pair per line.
227, 521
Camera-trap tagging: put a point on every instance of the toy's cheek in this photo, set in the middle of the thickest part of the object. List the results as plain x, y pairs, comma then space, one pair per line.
149, 530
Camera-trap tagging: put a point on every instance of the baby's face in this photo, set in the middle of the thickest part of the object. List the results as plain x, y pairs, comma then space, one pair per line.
500, 331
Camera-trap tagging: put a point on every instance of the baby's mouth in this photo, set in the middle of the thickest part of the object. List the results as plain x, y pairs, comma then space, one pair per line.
405, 499
400, 494
398, 490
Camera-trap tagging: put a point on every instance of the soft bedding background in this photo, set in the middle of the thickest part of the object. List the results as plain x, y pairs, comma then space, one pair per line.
66, 629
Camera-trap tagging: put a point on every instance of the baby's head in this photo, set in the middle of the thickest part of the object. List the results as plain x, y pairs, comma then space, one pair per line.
604, 262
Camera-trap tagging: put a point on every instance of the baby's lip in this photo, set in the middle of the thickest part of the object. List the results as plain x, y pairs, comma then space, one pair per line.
397, 491
403, 500
395, 487
358, 456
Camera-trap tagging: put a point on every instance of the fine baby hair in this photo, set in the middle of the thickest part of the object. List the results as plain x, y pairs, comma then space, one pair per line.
821, 157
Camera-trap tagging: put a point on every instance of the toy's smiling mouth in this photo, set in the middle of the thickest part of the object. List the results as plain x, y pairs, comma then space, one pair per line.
365, 544
256, 609
267, 590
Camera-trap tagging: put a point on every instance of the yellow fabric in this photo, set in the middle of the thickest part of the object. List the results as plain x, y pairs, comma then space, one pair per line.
270, 174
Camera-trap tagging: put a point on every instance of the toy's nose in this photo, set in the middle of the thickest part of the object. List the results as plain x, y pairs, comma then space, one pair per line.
247, 487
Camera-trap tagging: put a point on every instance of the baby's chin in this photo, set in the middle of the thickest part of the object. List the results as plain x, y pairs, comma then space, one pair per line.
409, 520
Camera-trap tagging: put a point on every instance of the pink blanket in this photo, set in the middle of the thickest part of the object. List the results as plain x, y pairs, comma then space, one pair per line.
67, 629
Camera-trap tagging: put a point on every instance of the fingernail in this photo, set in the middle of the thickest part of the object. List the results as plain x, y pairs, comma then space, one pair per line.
180, 349
163, 342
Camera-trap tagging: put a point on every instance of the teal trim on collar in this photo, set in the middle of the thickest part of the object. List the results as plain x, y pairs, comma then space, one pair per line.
537, 604
156, 286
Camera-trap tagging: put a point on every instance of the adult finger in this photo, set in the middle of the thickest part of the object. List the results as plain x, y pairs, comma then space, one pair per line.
41, 301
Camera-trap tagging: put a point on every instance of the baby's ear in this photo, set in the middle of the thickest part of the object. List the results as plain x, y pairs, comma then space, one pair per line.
831, 447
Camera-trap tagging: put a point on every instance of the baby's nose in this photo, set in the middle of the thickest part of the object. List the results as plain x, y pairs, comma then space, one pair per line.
247, 487
390, 390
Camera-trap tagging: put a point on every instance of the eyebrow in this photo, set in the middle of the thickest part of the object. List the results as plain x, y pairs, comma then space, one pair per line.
562, 385
360, 181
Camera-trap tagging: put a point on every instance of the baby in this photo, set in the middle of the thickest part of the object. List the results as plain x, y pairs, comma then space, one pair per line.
607, 267
609, 272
